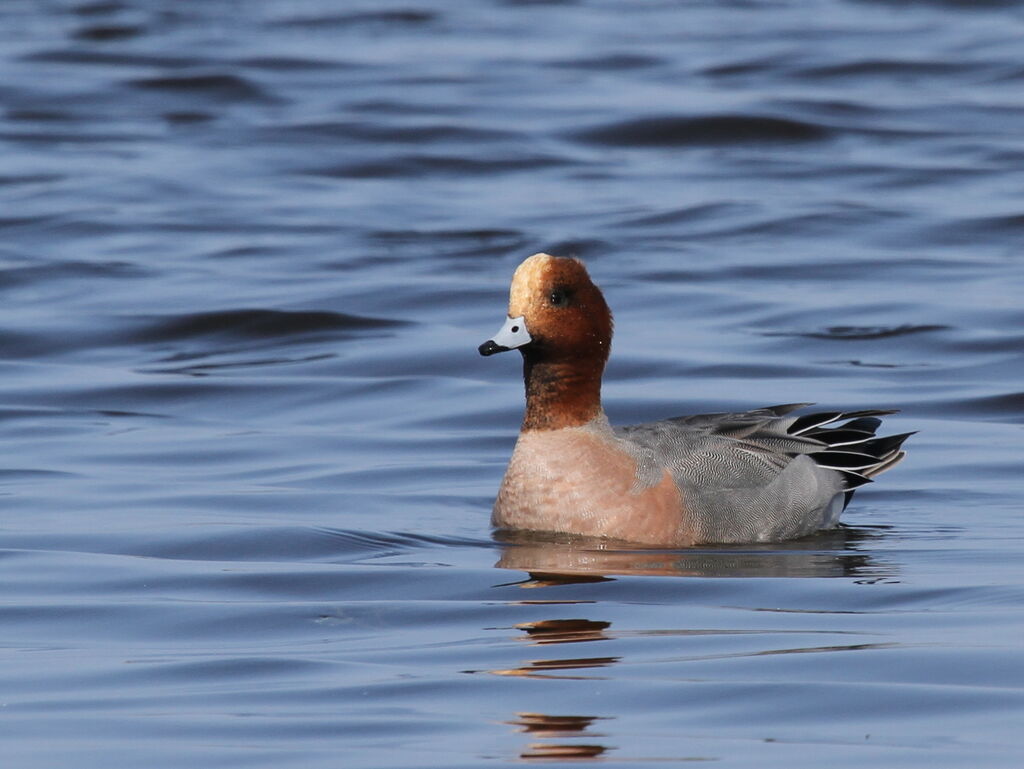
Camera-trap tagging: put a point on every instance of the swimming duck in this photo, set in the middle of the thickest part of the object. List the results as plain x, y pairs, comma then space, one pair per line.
756, 476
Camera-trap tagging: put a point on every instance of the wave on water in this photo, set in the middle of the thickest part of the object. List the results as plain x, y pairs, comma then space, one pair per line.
860, 333
674, 130
257, 324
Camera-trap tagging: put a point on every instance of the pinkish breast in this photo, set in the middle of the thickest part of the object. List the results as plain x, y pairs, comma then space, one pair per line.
583, 480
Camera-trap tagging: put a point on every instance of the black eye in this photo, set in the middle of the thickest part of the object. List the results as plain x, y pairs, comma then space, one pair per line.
559, 298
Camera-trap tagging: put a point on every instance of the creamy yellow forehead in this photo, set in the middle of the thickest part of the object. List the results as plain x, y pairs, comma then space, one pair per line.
528, 281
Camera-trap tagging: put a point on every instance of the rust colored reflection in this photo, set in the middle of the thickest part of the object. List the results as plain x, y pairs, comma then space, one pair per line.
549, 728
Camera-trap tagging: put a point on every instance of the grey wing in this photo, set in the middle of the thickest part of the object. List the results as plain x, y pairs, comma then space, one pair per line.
762, 474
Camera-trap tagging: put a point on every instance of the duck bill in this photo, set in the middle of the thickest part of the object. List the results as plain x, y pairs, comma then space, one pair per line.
510, 336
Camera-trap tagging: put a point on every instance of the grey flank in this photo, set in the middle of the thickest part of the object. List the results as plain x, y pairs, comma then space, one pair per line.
764, 475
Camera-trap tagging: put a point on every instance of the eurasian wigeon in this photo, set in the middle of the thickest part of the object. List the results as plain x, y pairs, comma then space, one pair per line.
755, 476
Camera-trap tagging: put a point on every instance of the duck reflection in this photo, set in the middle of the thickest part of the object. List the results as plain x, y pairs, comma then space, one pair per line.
548, 727
559, 668
560, 631
558, 559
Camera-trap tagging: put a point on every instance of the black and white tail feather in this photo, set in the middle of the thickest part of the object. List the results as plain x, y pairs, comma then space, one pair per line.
845, 441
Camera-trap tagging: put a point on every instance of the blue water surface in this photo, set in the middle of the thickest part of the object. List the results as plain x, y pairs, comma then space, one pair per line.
249, 448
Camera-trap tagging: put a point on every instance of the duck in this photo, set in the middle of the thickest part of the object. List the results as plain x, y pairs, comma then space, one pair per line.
765, 475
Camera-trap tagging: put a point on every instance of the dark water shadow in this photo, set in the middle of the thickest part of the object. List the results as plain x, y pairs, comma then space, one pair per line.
551, 559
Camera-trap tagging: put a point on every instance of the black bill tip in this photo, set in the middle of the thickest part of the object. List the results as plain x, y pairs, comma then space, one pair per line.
490, 347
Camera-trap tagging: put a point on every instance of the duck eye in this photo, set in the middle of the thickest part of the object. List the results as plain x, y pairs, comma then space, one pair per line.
559, 298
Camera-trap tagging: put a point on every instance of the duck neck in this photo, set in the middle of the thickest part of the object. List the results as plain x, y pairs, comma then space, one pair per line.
561, 394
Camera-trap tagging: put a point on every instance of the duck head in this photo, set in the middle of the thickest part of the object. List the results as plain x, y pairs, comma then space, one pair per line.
559, 321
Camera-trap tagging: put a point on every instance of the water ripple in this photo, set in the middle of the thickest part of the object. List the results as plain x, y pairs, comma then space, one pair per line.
256, 324
674, 131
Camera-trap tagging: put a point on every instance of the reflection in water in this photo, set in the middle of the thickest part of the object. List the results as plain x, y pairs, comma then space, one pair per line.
548, 731
558, 631
552, 579
555, 559
543, 726
552, 560
545, 752
552, 668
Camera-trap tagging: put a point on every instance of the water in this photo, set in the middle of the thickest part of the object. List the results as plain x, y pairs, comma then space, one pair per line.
248, 252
